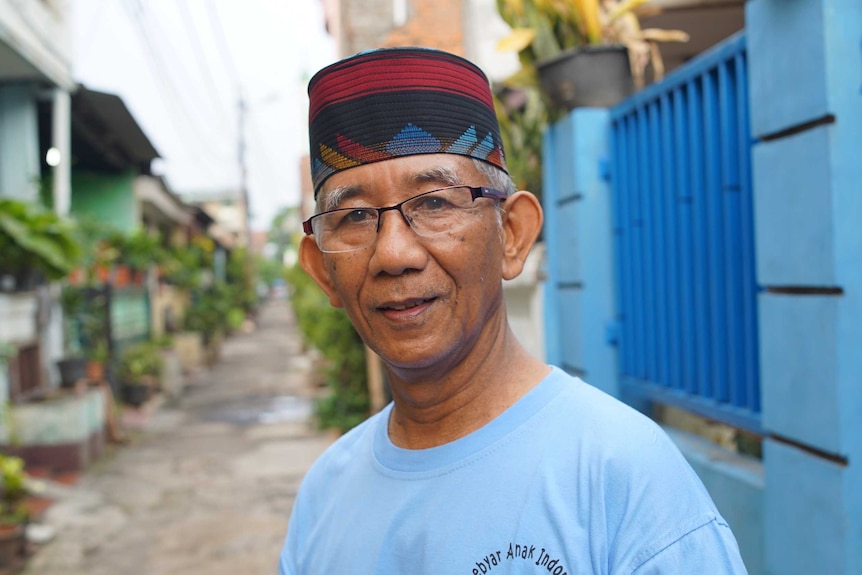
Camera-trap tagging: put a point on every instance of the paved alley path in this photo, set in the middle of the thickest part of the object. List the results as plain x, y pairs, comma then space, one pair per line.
207, 487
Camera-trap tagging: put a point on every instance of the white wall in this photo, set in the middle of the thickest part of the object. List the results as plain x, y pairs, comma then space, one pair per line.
483, 28
524, 303
39, 32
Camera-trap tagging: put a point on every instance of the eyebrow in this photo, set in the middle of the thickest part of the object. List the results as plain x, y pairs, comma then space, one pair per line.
444, 175
335, 196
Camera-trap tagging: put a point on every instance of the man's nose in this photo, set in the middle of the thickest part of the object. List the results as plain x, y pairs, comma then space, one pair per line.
398, 247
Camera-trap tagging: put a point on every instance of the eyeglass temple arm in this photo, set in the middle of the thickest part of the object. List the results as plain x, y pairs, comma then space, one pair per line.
484, 192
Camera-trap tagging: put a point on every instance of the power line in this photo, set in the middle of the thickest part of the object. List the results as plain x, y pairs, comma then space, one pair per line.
261, 150
221, 43
202, 62
165, 40
169, 94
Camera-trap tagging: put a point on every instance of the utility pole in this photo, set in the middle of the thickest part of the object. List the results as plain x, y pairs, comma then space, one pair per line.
243, 165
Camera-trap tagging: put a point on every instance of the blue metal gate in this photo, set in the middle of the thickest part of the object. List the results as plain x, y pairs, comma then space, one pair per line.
684, 245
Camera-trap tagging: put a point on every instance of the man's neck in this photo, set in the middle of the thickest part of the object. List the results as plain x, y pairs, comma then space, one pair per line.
431, 412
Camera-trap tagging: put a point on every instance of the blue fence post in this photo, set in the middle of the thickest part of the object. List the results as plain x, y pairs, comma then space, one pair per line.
551, 144
805, 59
580, 309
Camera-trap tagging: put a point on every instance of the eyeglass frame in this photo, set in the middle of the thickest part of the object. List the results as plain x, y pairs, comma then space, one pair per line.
475, 191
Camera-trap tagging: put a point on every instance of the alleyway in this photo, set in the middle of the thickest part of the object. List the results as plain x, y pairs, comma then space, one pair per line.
207, 485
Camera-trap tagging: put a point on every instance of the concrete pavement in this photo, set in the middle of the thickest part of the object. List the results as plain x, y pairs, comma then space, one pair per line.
207, 485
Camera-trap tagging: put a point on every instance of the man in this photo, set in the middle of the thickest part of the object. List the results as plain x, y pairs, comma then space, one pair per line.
488, 460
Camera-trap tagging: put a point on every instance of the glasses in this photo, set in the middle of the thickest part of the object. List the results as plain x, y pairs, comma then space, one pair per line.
444, 210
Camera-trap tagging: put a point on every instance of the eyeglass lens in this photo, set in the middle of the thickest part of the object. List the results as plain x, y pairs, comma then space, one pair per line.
427, 214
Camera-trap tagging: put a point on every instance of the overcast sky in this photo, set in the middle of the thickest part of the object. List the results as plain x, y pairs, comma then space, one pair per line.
179, 66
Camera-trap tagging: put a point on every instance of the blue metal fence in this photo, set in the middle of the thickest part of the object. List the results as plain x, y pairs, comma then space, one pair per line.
684, 240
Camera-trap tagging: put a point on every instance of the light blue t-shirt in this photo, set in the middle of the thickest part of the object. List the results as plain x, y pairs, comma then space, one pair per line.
566, 481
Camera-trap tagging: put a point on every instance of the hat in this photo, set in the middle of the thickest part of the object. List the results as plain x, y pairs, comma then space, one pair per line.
393, 102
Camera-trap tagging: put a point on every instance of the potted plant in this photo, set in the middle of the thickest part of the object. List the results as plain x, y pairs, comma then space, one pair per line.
138, 251
582, 52
35, 244
139, 372
14, 514
73, 365
99, 252
97, 357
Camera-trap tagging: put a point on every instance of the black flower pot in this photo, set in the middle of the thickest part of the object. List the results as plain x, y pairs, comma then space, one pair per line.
588, 76
136, 394
72, 370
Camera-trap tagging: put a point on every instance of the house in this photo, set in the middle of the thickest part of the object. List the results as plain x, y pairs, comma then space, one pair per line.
112, 181
35, 72
228, 208
106, 171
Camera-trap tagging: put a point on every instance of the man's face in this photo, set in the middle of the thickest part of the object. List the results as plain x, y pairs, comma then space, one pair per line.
419, 302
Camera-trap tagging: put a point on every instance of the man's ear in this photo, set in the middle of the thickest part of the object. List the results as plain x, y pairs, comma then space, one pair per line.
522, 222
311, 260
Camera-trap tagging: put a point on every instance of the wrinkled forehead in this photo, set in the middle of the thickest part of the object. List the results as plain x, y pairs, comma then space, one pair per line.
395, 180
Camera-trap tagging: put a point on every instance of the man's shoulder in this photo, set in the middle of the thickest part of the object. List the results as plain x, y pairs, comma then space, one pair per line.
607, 431
344, 450
590, 410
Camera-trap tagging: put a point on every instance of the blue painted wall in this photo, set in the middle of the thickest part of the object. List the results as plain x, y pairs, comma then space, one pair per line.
580, 297
806, 109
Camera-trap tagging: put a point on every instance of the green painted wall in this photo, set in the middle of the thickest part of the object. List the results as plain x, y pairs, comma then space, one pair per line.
106, 197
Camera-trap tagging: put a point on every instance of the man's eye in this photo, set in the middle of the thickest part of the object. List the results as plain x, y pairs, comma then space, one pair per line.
432, 203
356, 217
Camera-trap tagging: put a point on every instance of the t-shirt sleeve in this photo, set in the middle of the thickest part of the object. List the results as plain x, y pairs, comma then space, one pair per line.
287, 559
284, 567
661, 518
709, 549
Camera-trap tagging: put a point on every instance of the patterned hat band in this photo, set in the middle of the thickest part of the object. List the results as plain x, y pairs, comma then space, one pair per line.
395, 102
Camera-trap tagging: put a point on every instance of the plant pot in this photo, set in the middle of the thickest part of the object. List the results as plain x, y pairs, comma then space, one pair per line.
23, 280
136, 394
12, 543
95, 371
72, 370
588, 76
122, 276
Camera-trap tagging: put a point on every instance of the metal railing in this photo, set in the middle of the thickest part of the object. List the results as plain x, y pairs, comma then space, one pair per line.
684, 240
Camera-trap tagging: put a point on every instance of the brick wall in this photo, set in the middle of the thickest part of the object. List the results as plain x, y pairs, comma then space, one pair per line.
369, 24
432, 23
364, 23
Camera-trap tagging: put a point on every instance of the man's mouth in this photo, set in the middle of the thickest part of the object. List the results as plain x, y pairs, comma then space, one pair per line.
405, 305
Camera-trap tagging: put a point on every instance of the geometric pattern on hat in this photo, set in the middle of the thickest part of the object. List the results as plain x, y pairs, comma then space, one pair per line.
412, 140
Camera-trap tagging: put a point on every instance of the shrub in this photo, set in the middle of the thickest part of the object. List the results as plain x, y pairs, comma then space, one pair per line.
13, 490
141, 362
329, 330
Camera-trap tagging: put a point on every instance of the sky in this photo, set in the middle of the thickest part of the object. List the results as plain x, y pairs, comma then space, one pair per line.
180, 67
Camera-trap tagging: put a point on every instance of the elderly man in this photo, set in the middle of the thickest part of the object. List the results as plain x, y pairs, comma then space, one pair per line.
488, 460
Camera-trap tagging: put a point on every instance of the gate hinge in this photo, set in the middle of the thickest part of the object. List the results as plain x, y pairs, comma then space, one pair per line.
605, 169
612, 333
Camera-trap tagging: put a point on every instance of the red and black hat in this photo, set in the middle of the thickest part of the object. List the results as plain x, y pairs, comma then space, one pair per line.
392, 102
